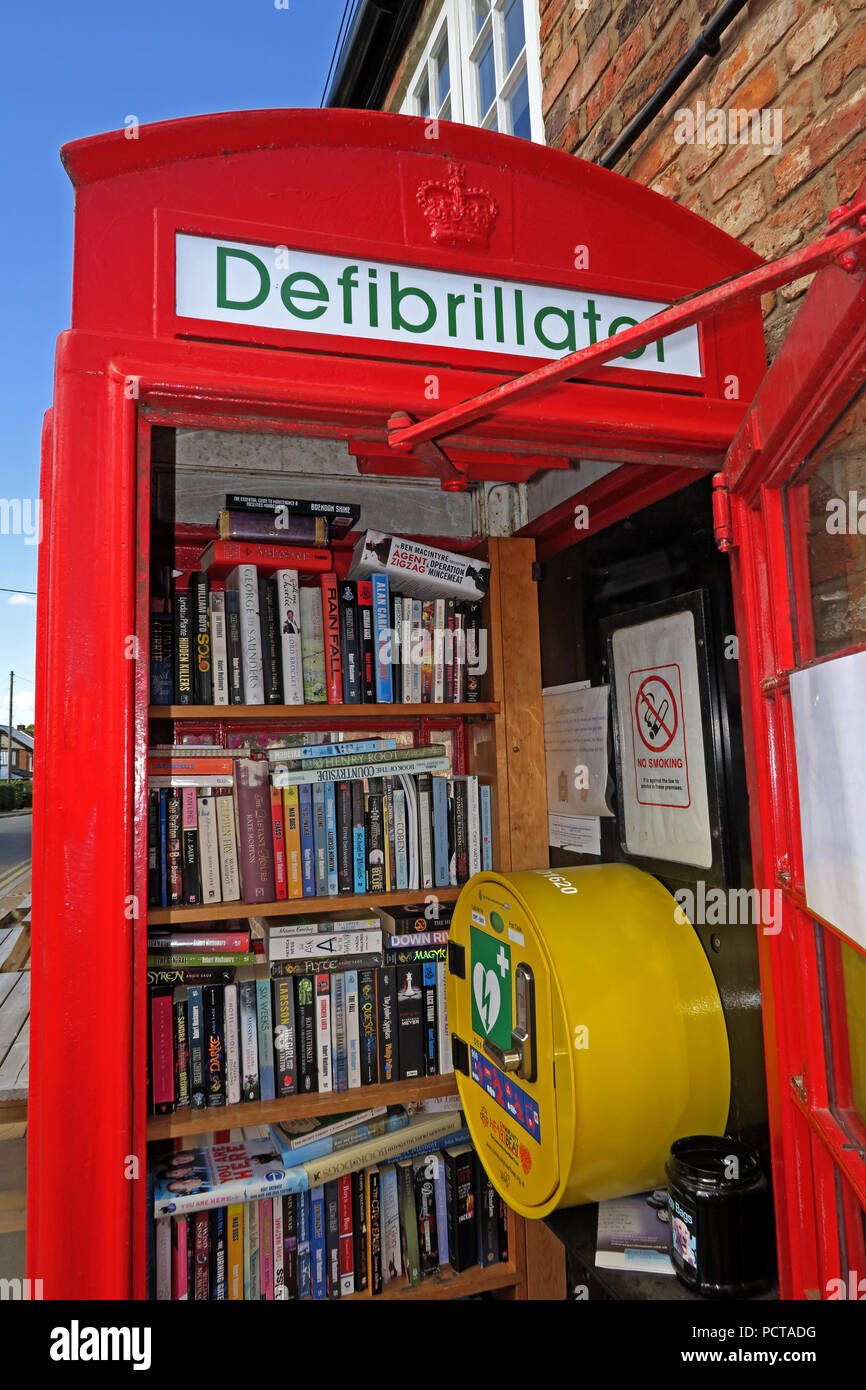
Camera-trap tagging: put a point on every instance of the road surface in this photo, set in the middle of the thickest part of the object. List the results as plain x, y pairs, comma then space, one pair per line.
15, 834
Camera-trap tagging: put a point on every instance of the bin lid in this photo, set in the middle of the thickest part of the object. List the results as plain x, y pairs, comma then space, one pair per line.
501, 1011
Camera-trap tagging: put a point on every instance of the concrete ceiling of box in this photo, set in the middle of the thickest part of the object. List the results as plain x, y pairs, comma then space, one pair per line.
415, 265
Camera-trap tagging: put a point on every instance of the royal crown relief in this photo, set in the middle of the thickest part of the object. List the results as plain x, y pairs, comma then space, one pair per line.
457, 215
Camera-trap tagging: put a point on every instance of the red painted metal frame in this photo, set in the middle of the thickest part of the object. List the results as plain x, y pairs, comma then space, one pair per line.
819, 368
115, 378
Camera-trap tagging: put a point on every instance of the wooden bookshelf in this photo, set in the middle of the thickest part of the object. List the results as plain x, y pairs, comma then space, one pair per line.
304, 713
263, 1112
446, 1284
297, 907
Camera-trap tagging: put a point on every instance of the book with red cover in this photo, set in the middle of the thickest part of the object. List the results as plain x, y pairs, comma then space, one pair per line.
278, 831
221, 557
333, 647
162, 1050
347, 1245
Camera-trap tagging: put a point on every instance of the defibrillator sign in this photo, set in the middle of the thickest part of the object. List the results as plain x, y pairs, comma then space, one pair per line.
491, 988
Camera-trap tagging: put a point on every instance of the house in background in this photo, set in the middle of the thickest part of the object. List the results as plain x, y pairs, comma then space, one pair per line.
22, 754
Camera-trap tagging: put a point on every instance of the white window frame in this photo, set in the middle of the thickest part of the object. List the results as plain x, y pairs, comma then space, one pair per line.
464, 46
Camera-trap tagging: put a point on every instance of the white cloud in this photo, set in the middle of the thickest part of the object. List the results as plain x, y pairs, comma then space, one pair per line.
21, 601
23, 706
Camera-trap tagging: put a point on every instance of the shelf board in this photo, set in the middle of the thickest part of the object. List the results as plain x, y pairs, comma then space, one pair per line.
261, 1112
447, 1284
328, 712
295, 907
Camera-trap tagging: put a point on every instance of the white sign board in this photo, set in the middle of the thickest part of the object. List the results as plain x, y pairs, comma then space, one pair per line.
828, 703
575, 749
581, 834
278, 287
664, 781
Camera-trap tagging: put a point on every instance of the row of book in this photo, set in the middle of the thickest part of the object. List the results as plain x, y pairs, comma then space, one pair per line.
259, 636
313, 821
431, 1208
333, 1025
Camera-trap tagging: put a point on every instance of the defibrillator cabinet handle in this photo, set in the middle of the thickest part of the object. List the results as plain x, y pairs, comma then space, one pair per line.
520, 1056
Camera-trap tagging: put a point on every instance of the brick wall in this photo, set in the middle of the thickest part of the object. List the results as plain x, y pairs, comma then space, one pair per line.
799, 63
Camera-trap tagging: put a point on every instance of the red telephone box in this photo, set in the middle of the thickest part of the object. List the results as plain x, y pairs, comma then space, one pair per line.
315, 274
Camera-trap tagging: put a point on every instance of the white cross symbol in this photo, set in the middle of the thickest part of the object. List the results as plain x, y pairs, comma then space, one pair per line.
503, 962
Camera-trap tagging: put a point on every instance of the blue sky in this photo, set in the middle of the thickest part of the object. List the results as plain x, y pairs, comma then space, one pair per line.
70, 70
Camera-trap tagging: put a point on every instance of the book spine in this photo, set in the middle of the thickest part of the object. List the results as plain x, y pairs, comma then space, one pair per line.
359, 839
473, 824
323, 1033
280, 1293
332, 1238
446, 1064
408, 1221
266, 1250
201, 1225
288, 609
203, 656
353, 1032
244, 581
313, 646
459, 655
484, 794
279, 846
368, 1015
285, 1049
350, 642
438, 692
183, 664
179, 1259
331, 629
345, 868
162, 1052
425, 826
391, 853
410, 1021
265, 1028
375, 828
487, 1207
190, 855
196, 1023
382, 654
460, 1189
228, 850
308, 856
305, 1262
306, 1033
320, 840
220, 648
417, 647
461, 828
425, 1210
448, 651
161, 658
153, 893
365, 640
272, 675
502, 1231
215, 1060
401, 861
406, 651
290, 1244
181, 1051
174, 847
392, 1255
249, 1041
251, 1225
441, 1201
298, 529
331, 965
292, 830
333, 878
208, 846
374, 1207
359, 1231
235, 1252
431, 1045
231, 1023
439, 791
255, 835
218, 1251
389, 1067
347, 1243
234, 647
397, 647
428, 610
341, 516
339, 1052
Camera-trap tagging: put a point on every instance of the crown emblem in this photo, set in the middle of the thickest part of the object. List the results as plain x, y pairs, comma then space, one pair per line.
457, 215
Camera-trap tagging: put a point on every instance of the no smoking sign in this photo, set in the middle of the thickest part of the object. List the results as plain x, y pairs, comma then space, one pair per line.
656, 713
658, 737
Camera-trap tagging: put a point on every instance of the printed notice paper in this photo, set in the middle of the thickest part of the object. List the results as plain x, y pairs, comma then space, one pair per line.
575, 749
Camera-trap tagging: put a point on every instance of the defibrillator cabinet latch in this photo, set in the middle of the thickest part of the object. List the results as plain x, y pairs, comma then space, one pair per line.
520, 1056
459, 1054
456, 960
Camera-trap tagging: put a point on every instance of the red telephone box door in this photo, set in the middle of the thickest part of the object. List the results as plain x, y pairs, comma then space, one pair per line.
797, 478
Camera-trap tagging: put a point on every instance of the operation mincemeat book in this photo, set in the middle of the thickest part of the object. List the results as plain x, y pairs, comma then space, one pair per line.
419, 571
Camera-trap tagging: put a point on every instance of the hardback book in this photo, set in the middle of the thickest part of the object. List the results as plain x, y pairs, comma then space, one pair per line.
222, 557
243, 580
279, 846
265, 1026
333, 648
208, 845
203, 656
234, 647
382, 641
460, 1164
214, 1045
313, 646
350, 643
285, 1037
410, 1022
409, 1243
184, 690
272, 673
324, 1065
231, 1021
389, 1205
181, 1050
365, 637
189, 834
306, 1027
255, 852
421, 571
425, 1209
288, 615
249, 1030
219, 647
228, 849
195, 1022
341, 516
261, 526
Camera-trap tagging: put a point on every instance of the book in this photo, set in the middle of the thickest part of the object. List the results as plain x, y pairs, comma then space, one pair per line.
306, 1025
234, 647
278, 844
317, 1242
285, 1038
368, 1012
195, 1022
419, 570
431, 1042
353, 1032
276, 1206
229, 869
180, 1290
439, 808
350, 643
249, 1040
202, 654
313, 646
174, 847
189, 847
347, 1244
446, 1063
324, 1065
366, 674
333, 649
332, 1238
231, 1021
359, 1230
339, 1052
341, 516
290, 1245
153, 856
292, 831
218, 1251
214, 1042
242, 525
302, 1216
265, 1029
459, 1163
332, 886
382, 640
243, 580
392, 1255
374, 1248
387, 1040
441, 1201
220, 942
272, 674
345, 851
255, 853
184, 693
221, 557
425, 1212
409, 1244
487, 1217
484, 793
201, 1246
324, 943
305, 819
410, 1022
294, 1137
181, 1050
219, 647
288, 616
162, 1051
359, 838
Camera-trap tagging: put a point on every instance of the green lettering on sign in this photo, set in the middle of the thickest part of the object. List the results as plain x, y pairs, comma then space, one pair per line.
223, 301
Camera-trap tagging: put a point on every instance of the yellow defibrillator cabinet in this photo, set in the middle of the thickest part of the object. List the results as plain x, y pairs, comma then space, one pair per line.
587, 1032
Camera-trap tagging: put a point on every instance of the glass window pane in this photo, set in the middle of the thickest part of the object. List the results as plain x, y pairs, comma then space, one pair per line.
854, 982
514, 35
445, 110
443, 73
424, 98
518, 107
486, 76
827, 537
842, 977
480, 11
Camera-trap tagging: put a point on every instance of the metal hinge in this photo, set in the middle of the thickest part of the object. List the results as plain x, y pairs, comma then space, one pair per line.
536, 571
722, 523
456, 960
